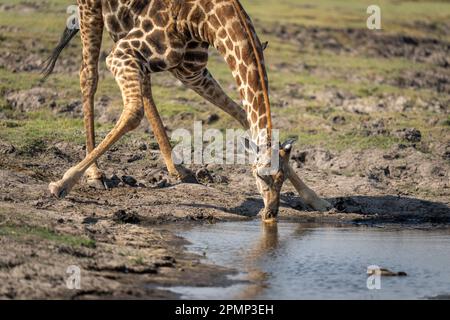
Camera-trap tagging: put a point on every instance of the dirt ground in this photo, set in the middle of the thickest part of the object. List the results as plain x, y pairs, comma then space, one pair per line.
123, 239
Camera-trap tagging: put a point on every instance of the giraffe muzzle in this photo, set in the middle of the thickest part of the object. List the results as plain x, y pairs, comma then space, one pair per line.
269, 215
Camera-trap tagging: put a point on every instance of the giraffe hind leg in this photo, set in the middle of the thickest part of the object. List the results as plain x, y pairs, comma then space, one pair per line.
159, 131
127, 66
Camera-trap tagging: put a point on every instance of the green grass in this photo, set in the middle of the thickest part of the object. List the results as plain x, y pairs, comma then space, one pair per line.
397, 16
41, 126
447, 121
41, 233
40, 31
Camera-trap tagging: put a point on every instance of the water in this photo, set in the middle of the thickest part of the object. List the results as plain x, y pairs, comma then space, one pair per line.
305, 261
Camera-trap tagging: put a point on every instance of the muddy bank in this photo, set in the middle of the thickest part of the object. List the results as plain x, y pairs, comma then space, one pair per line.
118, 237
364, 42
117, 259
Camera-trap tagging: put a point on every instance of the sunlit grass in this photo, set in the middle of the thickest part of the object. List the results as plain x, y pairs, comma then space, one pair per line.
41, 30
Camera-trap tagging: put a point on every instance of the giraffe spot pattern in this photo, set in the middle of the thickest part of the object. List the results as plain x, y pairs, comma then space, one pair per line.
158, 35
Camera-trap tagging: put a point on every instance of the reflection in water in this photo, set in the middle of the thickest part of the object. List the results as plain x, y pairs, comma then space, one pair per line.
267, 244
306, 261
269, 238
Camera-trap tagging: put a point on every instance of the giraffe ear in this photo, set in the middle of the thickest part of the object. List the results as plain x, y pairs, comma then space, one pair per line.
286, 148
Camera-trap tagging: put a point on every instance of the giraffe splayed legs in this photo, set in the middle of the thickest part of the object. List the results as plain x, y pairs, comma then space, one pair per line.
154, 36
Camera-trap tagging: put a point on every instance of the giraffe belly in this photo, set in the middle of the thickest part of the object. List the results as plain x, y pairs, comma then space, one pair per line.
121, 16
115, 29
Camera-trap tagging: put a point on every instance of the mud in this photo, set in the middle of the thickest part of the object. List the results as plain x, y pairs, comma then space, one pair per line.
365, 42
118, 236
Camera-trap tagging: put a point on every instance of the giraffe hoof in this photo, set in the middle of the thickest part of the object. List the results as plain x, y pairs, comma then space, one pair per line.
99, 184
57, 191
185, 175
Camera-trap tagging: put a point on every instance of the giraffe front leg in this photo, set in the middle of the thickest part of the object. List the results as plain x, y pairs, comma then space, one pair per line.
204, 84
308, 195
159, 131
91, 29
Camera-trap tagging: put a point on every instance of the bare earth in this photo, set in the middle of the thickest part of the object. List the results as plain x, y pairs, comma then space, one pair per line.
121, 239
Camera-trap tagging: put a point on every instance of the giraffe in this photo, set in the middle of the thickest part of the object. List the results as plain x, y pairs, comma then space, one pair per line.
174, 36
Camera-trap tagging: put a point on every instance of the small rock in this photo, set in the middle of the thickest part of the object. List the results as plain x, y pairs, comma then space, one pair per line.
212, 118
446, 155
203, 175
300, 156
413, 135
113, 182
220, 179
338, 120
378, 173
410, 134
391, 156
128, 180
143, 146
163, 183
122, 216
141, 184
374, 128
90, 220
134, 158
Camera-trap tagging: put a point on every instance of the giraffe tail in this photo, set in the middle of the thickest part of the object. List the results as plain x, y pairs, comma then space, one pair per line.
49, 64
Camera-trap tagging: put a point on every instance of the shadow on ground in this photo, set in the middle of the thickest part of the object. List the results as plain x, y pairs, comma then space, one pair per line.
387, 208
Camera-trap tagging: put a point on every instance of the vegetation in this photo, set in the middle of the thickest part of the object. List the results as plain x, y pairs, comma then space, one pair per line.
42, 233
37, 31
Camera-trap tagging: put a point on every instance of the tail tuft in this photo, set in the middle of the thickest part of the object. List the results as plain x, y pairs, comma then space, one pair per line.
49, 65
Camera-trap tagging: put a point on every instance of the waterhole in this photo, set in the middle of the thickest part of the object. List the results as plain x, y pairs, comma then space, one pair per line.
316, 261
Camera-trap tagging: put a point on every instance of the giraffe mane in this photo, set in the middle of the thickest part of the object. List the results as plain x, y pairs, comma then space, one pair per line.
241, 15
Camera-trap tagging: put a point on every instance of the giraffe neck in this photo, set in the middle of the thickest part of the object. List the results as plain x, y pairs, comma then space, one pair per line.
259, 61
226, 26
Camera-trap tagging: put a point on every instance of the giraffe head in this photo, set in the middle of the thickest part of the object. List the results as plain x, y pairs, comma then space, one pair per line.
270, 178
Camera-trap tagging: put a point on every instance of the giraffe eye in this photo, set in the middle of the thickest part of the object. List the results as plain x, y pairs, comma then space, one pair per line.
280, 176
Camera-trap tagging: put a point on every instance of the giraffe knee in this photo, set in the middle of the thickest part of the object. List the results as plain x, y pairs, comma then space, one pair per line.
88, 80
133, 117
